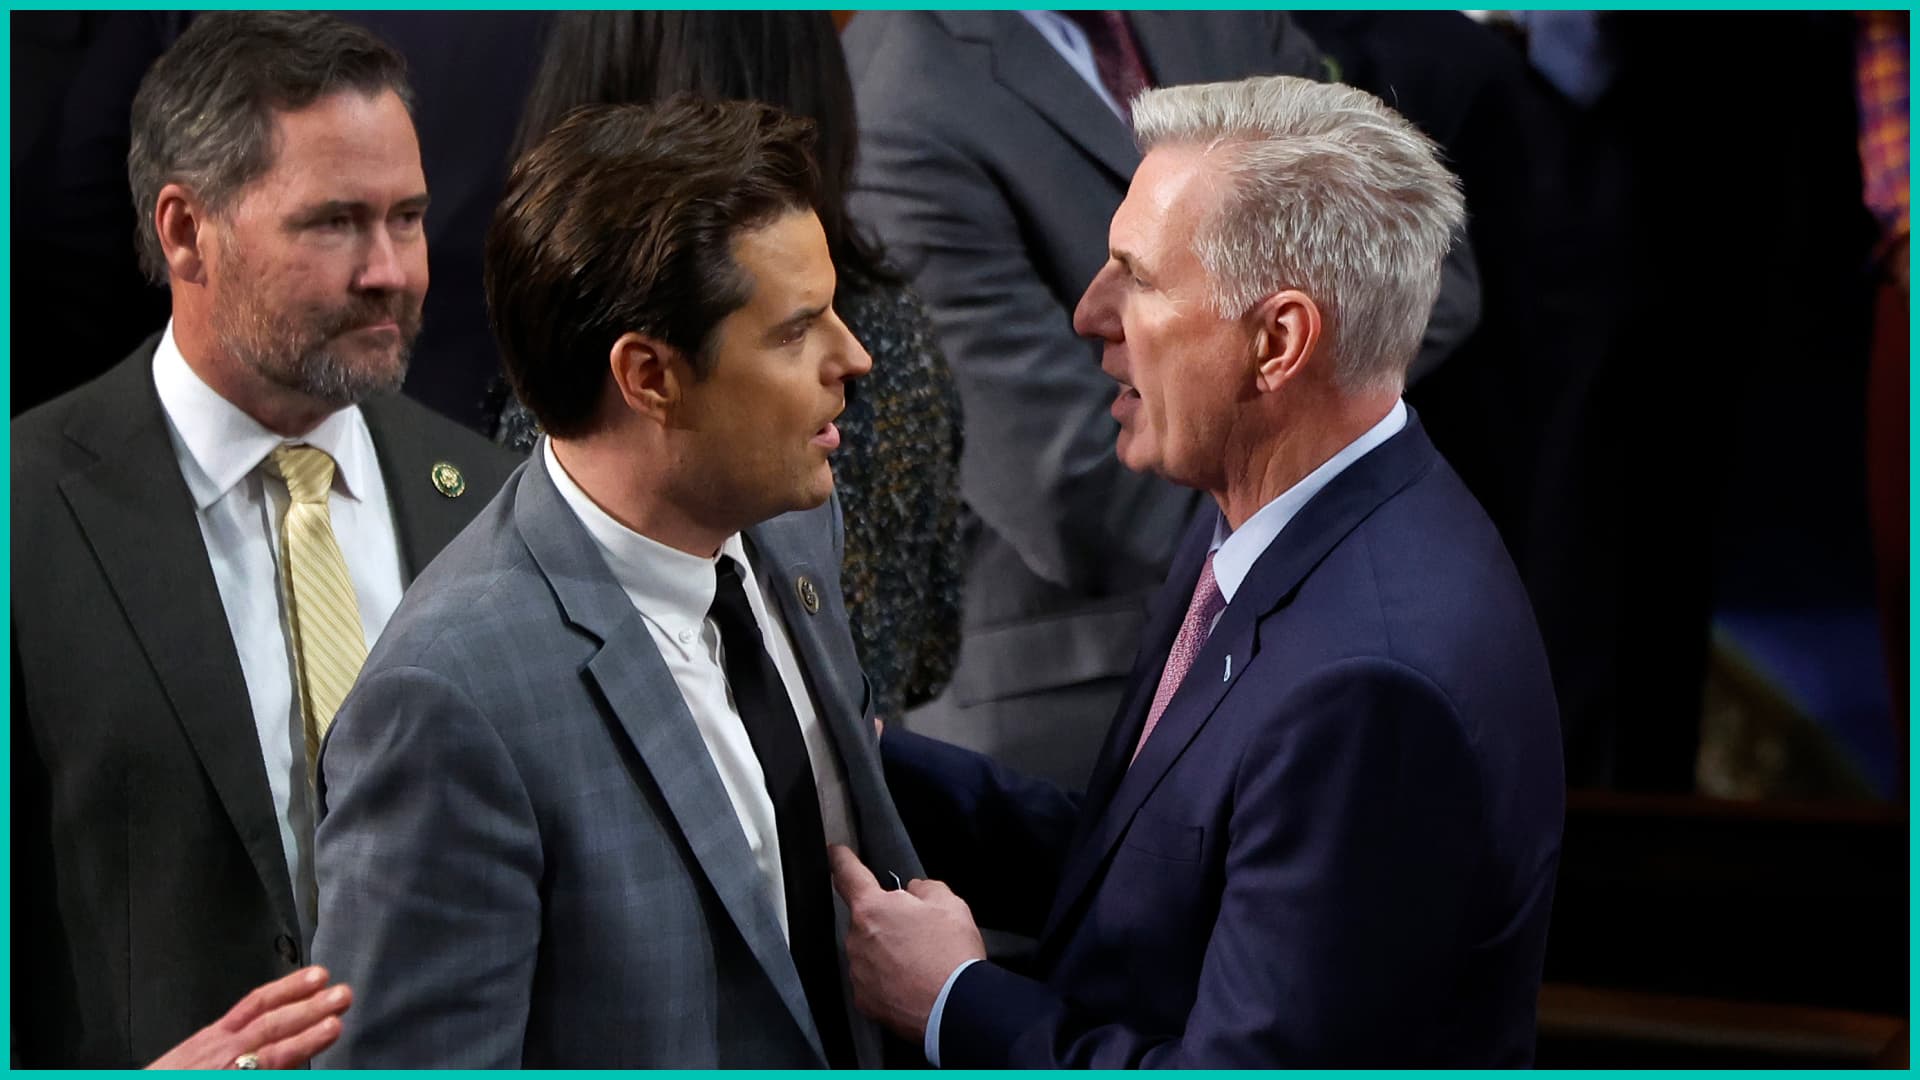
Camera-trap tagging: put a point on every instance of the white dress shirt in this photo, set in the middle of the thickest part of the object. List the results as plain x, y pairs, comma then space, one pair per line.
1071, 43
1237, 551
673, 591
220, 451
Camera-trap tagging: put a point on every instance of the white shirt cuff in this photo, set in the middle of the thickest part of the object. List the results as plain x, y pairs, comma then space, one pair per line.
932, 1046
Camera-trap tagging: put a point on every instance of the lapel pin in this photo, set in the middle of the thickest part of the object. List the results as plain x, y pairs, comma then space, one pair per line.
1227, 675
447, 480
809, 596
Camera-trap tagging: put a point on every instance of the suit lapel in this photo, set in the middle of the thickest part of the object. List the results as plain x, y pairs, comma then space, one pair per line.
137, 514
1176, 54
644, 699
1025, 64
1206, 684
838, 705
1181, 48
1231, 649
424, 519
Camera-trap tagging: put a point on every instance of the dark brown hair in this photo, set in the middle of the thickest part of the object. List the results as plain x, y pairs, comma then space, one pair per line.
623, 219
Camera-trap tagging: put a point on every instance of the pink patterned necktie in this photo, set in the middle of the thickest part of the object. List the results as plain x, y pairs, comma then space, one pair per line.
1206, 604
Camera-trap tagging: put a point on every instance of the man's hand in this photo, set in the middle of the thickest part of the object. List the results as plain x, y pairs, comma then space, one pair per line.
277, 1026
903, 944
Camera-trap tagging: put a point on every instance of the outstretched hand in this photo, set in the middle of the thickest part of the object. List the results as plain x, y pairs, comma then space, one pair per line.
902, 945
281, 1024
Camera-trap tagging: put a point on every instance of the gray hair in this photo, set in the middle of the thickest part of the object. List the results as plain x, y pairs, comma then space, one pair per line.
1332, 193
203, 116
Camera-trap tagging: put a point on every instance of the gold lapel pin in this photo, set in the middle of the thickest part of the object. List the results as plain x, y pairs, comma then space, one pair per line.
447, 480
809, 596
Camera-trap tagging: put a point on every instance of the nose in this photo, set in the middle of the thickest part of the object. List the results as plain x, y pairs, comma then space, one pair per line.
385, 269
853, 360
1097, 316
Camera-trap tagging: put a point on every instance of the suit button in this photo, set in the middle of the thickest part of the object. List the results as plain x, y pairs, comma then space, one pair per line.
287, 949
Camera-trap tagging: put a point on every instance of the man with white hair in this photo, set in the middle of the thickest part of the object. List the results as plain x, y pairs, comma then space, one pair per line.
1325, 824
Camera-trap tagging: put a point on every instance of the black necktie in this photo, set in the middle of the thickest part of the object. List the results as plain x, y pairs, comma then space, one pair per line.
774, 730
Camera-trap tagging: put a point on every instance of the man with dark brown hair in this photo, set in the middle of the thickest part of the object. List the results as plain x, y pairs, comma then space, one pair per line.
576, 812
207, 538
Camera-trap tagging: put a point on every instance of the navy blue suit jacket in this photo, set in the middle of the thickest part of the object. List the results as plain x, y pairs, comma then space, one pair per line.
1338, 847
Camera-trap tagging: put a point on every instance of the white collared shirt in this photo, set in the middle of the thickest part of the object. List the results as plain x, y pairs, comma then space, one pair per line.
1071, 43
220, 451
673, 591
1240, 548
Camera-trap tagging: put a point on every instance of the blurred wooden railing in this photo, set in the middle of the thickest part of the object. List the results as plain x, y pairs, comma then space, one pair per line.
1702, 932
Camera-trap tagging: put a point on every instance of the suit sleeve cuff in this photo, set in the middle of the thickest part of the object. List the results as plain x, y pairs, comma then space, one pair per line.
991, 1014
932, 1045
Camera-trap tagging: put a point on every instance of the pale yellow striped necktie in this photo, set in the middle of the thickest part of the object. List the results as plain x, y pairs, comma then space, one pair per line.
327, 639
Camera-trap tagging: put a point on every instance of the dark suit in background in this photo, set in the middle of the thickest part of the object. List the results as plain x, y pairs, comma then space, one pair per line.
150, 889
1337, 847
82, 299
990, 169
1524, 409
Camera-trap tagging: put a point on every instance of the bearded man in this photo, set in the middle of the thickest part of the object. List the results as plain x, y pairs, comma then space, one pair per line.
207, 538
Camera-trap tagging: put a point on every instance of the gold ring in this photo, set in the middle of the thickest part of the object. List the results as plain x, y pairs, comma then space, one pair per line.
247, 1060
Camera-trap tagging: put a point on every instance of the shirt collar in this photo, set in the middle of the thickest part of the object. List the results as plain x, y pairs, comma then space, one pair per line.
221, 444
1067, 39
1240, 548
668, 585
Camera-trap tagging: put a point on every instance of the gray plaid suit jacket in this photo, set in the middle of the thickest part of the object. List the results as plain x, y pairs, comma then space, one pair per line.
525, 854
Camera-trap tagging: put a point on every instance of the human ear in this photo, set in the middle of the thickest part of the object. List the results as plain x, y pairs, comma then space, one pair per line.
646, 376
180, 221
1286, 338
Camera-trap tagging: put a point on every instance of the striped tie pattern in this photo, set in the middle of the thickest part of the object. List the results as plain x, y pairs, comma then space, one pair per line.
327, 639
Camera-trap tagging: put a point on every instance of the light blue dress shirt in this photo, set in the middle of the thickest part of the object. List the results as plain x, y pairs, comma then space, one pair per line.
1071, 43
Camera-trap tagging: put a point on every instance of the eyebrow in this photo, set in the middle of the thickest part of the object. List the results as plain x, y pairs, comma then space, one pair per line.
796, 319
1127, 260
331, 207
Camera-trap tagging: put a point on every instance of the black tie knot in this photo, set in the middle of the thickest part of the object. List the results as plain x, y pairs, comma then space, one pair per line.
730, 610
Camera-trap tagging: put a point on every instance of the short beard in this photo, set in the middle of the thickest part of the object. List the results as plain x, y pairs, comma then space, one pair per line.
291, 350
311, 368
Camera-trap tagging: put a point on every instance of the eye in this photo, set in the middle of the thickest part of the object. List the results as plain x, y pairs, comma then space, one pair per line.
1128, 274
796, 332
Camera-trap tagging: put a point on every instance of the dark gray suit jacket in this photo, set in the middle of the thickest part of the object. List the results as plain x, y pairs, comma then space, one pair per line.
149, 887
526, 856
